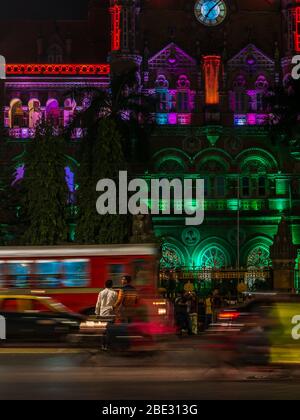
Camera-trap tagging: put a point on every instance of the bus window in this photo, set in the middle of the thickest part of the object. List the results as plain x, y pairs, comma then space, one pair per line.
2, 274
48, 273
76, 273
19, 273
116, 272
143, 273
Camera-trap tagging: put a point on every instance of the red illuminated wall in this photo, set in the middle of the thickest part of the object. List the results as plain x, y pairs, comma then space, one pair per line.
297, 28
57, 69
116, 27
211, 68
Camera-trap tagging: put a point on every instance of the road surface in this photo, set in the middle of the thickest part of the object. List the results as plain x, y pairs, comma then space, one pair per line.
182, 373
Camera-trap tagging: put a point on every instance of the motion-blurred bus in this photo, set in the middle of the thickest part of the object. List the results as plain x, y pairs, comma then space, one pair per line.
74, 275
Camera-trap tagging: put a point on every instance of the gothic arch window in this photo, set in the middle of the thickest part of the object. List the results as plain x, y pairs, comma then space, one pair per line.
161, 82
172, 257
254, 165
257, 95
55, 54
162, 91
261, 84
258, 261
239, 96
259, 257
34, 107
53, 112
183, 94
16, 114
213, 257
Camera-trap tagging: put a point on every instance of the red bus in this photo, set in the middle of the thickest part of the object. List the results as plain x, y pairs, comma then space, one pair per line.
74, 275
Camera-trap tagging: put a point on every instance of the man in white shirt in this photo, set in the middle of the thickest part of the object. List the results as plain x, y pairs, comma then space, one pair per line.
106, 300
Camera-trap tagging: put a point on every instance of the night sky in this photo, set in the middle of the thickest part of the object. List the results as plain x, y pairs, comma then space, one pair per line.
43, 9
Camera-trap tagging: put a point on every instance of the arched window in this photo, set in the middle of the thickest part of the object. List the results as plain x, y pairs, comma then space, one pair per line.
171, 257
183, 94
34, 107
162, 91
258, 94
52, 112
239, 96
258, 261
213, 257
16, 114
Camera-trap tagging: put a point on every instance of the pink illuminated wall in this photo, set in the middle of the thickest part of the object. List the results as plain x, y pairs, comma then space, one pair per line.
211, 68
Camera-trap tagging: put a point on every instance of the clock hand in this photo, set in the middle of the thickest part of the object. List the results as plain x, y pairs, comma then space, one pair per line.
211, 9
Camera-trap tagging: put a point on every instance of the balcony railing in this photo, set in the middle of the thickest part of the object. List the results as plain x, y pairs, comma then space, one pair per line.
29, 133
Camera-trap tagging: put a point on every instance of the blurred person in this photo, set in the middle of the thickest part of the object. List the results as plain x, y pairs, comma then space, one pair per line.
127, 301
216, 303
181, 313
208, 310
201, 314
192, 311
107, 299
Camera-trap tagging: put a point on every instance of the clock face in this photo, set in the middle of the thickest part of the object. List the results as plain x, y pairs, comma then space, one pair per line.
210, 12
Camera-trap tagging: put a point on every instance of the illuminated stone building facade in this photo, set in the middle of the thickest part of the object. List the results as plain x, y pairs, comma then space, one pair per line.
210, 63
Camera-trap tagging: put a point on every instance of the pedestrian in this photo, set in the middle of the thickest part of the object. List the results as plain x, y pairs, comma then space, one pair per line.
201, 314
216, 303
127, 301
192, 311
105, 308
107, 299
181, 314
208, 310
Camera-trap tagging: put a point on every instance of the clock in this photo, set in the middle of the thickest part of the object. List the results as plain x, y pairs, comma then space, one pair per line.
210, 12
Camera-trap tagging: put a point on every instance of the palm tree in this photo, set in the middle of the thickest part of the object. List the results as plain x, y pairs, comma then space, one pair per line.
126, 105
117, 123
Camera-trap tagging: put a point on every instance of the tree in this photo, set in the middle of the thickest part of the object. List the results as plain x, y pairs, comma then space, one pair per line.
45, 191
101, 159
284, 107
126, 105
9, 222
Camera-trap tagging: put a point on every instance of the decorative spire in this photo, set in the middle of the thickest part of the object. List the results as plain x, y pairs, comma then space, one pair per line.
283, 247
